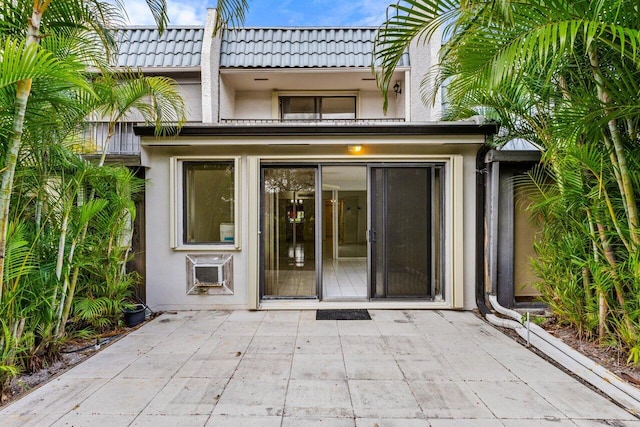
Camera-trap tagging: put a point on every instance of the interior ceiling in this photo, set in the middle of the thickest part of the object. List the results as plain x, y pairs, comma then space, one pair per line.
303, 79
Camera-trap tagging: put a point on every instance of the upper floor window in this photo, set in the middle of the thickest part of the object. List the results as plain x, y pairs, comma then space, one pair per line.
317, 107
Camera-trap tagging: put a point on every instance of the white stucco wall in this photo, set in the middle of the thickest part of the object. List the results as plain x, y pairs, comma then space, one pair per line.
423, 58
189, 89
166, 267
210, 60
166, 270
192, 94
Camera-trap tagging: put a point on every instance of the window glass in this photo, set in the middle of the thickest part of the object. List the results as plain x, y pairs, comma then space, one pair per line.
209, 191
300, 108
339, 107
317, 107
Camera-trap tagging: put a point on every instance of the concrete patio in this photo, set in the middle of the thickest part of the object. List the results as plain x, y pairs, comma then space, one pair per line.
283, 368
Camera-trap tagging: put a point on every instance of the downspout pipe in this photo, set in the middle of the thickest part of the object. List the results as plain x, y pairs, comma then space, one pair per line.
481, 188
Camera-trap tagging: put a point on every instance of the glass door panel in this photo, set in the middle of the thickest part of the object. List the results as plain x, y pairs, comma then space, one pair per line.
407, 232
288, 232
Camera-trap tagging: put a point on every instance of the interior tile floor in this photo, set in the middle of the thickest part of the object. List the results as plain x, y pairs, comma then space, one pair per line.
283, 368
342, 279
345, 278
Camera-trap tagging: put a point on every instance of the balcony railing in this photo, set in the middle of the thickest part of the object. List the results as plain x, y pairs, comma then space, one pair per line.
339, 122
123, 141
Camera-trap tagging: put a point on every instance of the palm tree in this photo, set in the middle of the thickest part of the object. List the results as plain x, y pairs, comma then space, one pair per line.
45, 94
156, 100
565, 75
26, 60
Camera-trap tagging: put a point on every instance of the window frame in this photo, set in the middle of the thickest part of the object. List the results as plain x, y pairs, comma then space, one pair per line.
177, 220
276, 105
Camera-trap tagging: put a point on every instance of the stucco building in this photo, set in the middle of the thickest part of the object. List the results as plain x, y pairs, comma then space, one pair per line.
290, 187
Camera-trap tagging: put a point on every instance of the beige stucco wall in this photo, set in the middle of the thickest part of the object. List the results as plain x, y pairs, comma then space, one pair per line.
227, 100
371, 106
524, 236
166, 271
252, 104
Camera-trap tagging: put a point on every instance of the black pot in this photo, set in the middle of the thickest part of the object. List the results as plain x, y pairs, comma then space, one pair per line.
134, 316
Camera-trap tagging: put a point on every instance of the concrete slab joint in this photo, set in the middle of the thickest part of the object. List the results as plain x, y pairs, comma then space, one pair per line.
284, 368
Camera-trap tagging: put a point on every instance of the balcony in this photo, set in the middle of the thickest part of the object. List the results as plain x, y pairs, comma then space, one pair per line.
123, 141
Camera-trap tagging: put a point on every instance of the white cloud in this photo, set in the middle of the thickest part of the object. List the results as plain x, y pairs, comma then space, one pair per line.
340, 13
356, 12
374, 12
180, 12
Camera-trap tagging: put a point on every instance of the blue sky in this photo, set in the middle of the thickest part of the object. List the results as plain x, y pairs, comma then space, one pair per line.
274, 13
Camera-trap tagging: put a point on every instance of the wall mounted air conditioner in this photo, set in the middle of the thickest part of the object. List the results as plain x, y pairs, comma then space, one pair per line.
210, 274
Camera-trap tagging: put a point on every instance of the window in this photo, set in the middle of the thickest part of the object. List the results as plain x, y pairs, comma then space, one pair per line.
317, 107
209, 202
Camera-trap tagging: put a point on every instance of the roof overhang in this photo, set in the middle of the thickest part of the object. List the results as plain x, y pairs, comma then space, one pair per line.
319, 79
329, 130
151, 70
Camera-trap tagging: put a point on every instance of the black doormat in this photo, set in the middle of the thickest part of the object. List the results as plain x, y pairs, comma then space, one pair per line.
342, 315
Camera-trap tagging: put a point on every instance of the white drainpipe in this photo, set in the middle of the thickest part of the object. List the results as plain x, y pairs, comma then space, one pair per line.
595, 374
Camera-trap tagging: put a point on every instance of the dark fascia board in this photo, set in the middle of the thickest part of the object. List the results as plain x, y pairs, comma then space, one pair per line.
435, 128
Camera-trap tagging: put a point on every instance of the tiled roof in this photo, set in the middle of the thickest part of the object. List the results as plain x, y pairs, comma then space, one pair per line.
144, 47
250, 47
298, 48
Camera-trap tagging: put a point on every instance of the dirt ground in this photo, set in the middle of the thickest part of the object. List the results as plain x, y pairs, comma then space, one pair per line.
76, 352
610, 358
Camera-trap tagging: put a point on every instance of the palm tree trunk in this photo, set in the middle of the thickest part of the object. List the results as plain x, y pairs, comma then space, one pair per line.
66, 310
23, 90
59, 265
610, 257
602, 301
105, 148
620, 160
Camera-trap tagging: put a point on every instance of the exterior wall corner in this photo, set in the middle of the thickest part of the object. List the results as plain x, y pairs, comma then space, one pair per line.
210, 65
423, 57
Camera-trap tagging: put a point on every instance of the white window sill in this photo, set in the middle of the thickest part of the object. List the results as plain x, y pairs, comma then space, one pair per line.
208, 247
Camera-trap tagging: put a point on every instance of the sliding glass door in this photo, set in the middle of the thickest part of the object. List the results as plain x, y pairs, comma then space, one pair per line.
406, 231
353, 231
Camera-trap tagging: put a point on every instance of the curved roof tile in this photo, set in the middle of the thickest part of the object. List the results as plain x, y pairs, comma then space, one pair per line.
144, 47
295, 47
298, 47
